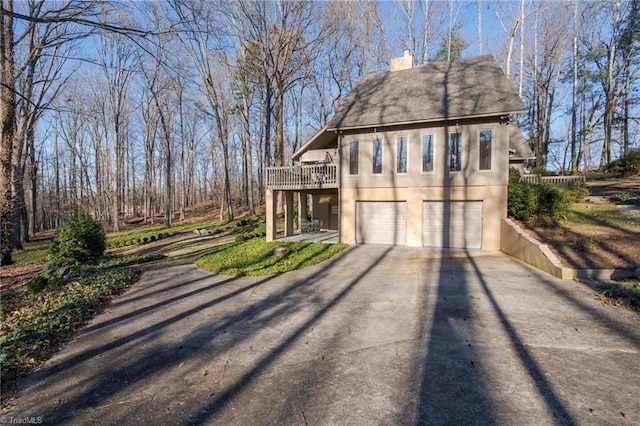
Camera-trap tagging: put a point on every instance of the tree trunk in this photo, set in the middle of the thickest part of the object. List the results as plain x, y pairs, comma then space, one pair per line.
574, 91
8, 111
278, 110
267, 124
247, 160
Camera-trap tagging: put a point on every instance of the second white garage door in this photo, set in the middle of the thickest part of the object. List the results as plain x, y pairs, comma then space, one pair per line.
452, 224
381, 222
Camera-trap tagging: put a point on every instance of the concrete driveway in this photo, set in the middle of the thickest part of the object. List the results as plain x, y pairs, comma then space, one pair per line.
377, 335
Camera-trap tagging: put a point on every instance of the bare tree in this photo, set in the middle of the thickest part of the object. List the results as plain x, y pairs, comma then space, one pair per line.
116, 60
212, 65
8, 119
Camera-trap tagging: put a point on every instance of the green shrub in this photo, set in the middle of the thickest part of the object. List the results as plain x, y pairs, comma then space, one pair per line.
145, 240
80, 239
258, 233
627, 165
514, 176
152, 238
37, 283
577, 193
522, 201
240, 238
553, 201
625, 198
529, 201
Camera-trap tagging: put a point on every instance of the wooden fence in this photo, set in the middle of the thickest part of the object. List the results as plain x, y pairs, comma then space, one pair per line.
555, 180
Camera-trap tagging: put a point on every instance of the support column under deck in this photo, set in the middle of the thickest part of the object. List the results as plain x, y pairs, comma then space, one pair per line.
288, 213
271, 214
302, 209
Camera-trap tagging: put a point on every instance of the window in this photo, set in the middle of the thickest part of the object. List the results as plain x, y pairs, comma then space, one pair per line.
485, 149
353, 157
455, 152
376, 156
427, 153
401, 154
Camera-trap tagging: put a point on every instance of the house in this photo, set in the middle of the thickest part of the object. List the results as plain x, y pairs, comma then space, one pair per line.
415, 156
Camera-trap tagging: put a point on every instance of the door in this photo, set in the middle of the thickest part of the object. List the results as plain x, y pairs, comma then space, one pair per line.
381, 222
452, 224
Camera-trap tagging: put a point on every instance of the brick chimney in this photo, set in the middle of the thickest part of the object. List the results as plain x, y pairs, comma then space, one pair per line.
402, 63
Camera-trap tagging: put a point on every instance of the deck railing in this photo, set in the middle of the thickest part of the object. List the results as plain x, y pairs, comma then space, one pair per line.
555, 180
314, 176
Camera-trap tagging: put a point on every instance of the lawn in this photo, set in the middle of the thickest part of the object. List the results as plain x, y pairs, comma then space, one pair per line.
255, 257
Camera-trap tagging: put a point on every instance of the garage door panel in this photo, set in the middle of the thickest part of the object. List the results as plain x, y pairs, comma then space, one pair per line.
381, 222
452, 224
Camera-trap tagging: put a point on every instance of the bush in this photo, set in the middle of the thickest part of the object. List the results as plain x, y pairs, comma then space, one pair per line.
553, 201
256, 233
626, 198
578, 193
80, 239
37, 283
259, 233
529, 201
522, 198
627, 165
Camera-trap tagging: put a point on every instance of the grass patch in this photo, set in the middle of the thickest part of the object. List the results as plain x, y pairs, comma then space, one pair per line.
32, 253
155, 233
35, 323
620, 294
604, 215
255, 257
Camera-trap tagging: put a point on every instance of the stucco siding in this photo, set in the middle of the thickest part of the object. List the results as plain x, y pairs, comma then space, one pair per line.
494, 202
469, 175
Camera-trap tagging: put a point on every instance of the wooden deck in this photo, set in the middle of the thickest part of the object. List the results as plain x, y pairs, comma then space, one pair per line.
316, 176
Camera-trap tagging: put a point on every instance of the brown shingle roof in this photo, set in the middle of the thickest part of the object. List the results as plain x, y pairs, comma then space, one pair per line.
518, 147
470, 87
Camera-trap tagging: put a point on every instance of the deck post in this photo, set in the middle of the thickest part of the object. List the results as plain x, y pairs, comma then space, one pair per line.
302, 208
271, 215
288, 213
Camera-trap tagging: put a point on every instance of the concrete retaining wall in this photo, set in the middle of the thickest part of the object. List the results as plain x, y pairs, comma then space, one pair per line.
515, 242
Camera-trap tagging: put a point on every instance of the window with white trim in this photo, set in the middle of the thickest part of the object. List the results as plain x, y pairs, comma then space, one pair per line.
455, 152
353, 157
427, 153
484, 149
376, 156
401, 154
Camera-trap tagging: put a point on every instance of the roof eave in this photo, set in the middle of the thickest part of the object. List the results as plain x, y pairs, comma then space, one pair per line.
435, 120
309, 145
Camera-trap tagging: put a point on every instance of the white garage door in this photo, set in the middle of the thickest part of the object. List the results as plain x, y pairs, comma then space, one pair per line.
452, 224
381, 222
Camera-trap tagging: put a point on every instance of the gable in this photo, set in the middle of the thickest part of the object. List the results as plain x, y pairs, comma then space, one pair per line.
463, 88
518, 147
